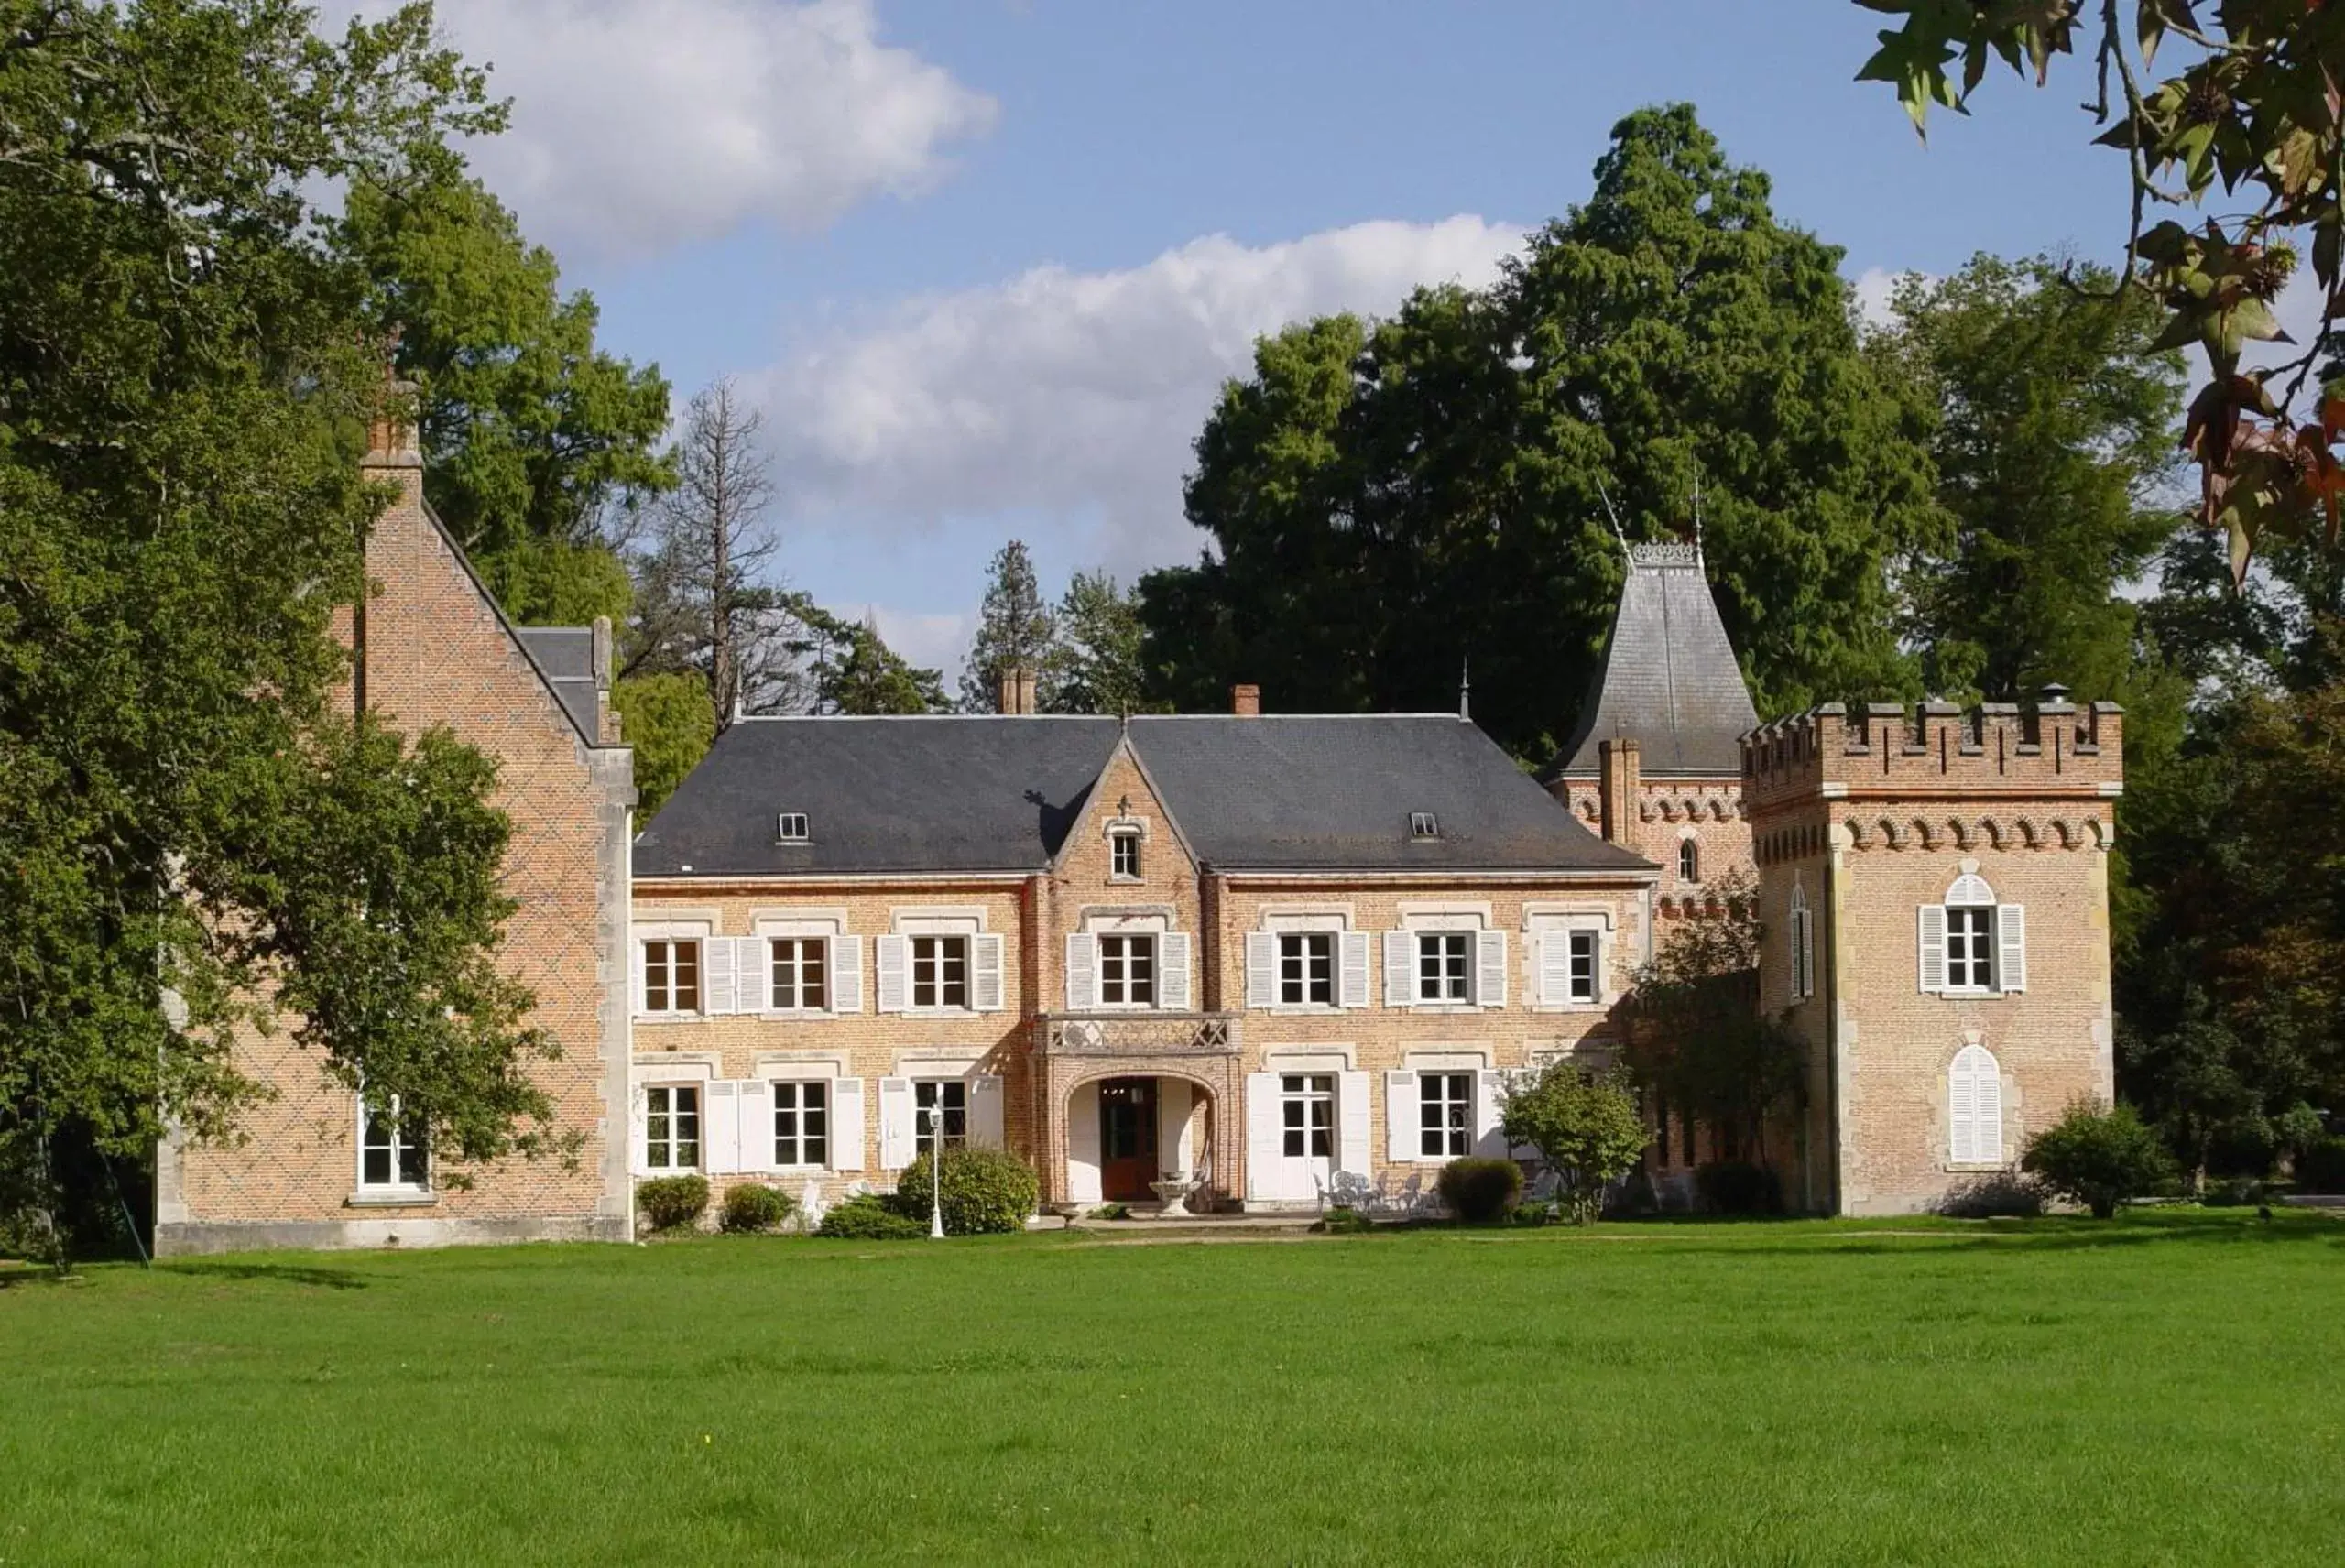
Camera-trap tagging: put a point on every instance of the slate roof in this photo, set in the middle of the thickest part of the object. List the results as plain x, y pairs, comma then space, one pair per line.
988, 793
566, 656
1669, 681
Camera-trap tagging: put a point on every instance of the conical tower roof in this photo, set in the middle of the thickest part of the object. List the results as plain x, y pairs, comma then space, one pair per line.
1669, 681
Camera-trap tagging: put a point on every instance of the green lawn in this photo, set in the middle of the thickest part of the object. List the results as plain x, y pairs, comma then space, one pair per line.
2170, 1389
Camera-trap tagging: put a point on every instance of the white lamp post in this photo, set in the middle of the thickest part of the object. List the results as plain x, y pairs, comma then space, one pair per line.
935, 1115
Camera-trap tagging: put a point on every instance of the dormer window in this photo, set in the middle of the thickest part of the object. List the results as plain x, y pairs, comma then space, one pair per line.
1124, 857
1423, 826
793, 827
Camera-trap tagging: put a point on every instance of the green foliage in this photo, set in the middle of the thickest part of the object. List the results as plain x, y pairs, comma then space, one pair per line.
1739, 1187
671, 1203
1344, 1221
1480, 1191
668, 720
2320, 1166
1588, 1130
1093, 666
752, 1208
554, 582
1534, 1214
529, 431
1014, 629
986, 1191
2099, 1156
867, 1218
856, 673
1389, 500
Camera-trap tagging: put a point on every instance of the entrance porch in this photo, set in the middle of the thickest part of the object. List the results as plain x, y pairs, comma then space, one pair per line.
1127, 1102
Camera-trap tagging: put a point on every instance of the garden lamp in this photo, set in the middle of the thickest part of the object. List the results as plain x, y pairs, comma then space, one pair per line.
935, 1115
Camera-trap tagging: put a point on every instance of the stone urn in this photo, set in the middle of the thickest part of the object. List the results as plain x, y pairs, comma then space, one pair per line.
1174, 1193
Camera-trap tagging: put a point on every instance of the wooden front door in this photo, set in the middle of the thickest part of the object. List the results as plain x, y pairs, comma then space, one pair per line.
1127, 1139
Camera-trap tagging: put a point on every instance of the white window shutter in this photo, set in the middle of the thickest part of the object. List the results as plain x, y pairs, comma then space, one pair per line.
1353, 1139
1401, 1117
642, 963
890, 957
2011, 947
718, 994
984, 1110
896, 1140
1261, 969
1083, 1144
1264, 1146
753, 965
846, 974
1490, 1091
1399, 968
1932, 944
989, 976
1172, 971
1986, 1112
1490, 980
721, 1127
756, 1126
1082, 972
1961, 1119
638, 1113
847, 1123
1555, 966
1352, 975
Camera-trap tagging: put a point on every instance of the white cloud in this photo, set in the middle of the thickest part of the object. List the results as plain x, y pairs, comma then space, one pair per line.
1071, 396
1874, 287
642, 124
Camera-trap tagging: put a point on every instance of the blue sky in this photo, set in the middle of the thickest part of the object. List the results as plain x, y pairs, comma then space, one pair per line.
983, 262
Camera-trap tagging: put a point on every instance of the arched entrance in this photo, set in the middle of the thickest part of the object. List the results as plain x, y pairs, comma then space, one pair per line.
1126, 1132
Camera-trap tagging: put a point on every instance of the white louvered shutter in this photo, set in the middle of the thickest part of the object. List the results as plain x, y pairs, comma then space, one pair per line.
984, 1110
2011, 947
847, 1123
1401, 1117
753, 967
634, 991
896, 1141
720, 1128
1083, 1144
987, 989
1489, 979
718, 992
1352, 975
1489, 1092
1986, 1112
891, 955
847, 974
755, 1145
1172, 971
1399, 968
638, 1113
1353, 1139
1932, 946
1263, 1142
1082, 972
1961, 1117
1555, 966
1261, 969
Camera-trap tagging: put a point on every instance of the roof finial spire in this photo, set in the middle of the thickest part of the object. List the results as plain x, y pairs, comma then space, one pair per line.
1697, 514
1625, 552
1465, 691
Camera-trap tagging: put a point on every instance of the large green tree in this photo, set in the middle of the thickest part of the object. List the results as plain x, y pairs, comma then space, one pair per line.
1389, 500
1094, 664
185, 370
1015, 629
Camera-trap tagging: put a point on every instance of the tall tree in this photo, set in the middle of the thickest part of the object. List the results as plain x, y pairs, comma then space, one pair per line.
1094, 665
2055, 456
1387, 501
1014, 629
184, 368
856, 673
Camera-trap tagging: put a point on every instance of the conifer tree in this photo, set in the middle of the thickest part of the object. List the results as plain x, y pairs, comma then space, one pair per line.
1015, 629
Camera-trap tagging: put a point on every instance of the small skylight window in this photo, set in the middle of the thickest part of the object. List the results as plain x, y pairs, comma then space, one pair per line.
1423, 825
793, 827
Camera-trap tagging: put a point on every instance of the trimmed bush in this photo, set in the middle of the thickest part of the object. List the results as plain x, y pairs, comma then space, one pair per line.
668, 1202
2099, 1157
1739, 1187
2000, 1196
751, 1208
868, 1218
988, 1191
1534, 1213
1480, 1192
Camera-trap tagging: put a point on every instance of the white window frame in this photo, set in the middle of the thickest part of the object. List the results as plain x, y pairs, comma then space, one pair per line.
1124, 938
1424, 827
1305, 1002
1689, 859
643, 944
940, 980
1463, 940
669, 1086
797, 984
1472, 921
1457, 1113
1977, 941
394, 1187
940, 1088
792, 828
1307, 1096
1801, 936
798, 1087
1124, 839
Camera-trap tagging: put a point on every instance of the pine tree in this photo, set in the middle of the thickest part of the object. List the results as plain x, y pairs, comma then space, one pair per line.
1093, 666
1015, 629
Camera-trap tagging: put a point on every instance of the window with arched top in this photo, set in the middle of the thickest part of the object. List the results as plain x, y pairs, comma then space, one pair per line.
1802, 944
1972, 945
1689, 861
1974, 1109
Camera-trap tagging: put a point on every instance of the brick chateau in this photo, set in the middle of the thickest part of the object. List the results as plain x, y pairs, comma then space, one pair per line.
1257, 959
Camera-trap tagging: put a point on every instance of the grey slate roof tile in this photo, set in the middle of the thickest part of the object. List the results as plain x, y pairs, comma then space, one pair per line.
1669, 681
566, 654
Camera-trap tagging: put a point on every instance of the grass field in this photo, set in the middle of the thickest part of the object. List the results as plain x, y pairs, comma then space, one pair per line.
2170, 1389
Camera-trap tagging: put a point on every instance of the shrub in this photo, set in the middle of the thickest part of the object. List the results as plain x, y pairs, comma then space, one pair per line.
2233, 1192
988, 1191
1739, 1187
1111, 1212
751, 1208
2099, 1157
668, 1202
867, 1218
1590, 1132
2320, 1166
1344, 1221
1480, 1192
1534, 1214
2002, 1195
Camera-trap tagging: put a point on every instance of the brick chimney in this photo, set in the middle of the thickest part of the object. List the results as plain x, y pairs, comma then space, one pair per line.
1014, 689
1617, 771
1246, 702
